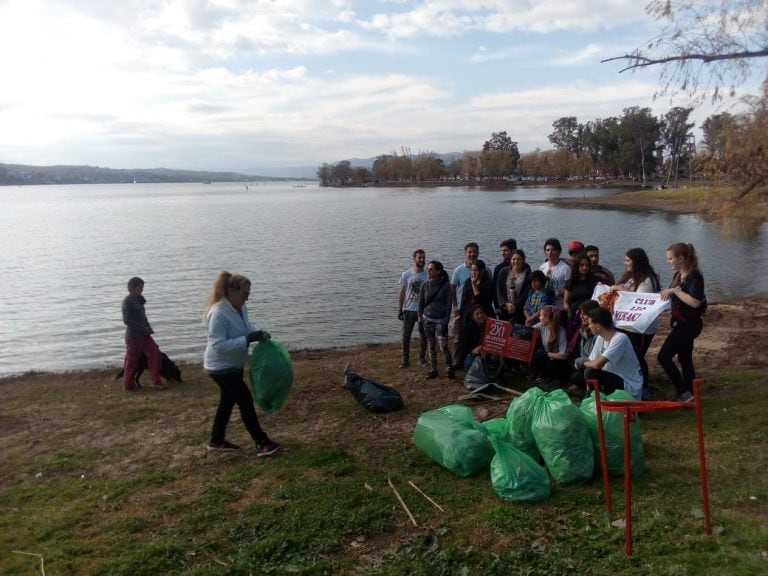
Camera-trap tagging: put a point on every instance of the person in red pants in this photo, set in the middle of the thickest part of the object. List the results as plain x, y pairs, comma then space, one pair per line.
138, 338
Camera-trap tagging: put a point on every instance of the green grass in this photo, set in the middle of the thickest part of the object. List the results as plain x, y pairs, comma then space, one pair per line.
321, 509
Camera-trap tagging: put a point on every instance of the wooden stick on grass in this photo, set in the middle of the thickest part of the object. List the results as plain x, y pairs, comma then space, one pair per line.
42, 560
401, 502
435, 504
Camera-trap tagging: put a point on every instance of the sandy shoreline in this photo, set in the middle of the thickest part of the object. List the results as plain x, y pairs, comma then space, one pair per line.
663, 201
731, 329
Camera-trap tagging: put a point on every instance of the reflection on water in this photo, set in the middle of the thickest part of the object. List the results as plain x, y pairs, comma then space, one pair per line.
324, 263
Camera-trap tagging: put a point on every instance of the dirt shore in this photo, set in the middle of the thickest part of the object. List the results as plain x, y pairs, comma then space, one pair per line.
755, 209
83, 408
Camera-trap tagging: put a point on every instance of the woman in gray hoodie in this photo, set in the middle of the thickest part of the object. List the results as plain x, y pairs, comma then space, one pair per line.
435, 312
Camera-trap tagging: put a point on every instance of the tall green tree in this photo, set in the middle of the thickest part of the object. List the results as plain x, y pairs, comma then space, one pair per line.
567, 135
499, 156
716, 130
640, 131
675, 129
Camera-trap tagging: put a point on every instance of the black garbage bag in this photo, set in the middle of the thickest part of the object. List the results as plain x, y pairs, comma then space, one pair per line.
372, 395
478, 374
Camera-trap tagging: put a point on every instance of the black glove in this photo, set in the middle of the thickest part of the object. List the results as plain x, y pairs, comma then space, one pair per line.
258, 336
400, 315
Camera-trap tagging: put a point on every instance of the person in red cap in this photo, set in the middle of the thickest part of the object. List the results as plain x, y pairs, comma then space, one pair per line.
574, 247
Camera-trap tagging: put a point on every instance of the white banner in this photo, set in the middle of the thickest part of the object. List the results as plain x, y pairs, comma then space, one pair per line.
634, 310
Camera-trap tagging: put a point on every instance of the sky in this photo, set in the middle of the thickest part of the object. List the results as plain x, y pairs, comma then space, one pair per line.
255, 86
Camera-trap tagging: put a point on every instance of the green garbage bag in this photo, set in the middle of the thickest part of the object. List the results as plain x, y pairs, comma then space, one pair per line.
515, 475
271, 375
454, 439
496, 427
613, 427
562, 438
520, 418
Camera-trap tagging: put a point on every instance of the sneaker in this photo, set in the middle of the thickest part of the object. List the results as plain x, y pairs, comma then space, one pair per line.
432, 374
403, 364
450, 375
685, 397
266, 448
160, 386
224, 446
423, 362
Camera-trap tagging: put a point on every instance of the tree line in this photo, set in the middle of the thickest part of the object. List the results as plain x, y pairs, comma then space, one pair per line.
636, 145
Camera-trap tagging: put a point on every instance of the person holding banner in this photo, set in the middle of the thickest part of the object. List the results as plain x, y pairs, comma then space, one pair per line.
612, 362
688, 302
639, 276
434, 313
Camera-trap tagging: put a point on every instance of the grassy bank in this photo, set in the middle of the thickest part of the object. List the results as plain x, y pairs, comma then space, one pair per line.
103, 483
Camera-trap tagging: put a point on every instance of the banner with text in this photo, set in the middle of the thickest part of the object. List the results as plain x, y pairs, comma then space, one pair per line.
515, 341
633, 310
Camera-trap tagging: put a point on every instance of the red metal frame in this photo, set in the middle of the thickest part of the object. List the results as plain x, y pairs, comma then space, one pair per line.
630, 409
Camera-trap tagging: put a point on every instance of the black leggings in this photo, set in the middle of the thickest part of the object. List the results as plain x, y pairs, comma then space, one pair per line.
679, 343
640, 344
234, 390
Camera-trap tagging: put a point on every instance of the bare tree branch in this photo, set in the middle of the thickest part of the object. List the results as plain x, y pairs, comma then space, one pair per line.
643, 61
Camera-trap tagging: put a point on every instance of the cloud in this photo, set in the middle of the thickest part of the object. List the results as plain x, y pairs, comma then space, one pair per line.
229, 84
445, 18
590, 54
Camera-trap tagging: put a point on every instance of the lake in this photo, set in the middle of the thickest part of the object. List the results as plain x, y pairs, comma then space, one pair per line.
324, 262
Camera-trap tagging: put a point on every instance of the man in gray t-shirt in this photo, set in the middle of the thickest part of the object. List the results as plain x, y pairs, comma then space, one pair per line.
408, 307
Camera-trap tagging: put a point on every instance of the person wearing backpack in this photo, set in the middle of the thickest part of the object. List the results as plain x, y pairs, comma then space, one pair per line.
688, 304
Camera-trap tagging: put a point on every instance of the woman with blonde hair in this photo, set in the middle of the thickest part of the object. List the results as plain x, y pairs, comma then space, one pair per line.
229, 334
688, 303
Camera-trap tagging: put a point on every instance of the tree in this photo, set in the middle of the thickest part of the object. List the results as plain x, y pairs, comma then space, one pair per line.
342, 172
640, 131
674, 136
499, 156
746, 147
704, 47
717, 129
325, 173
567, 135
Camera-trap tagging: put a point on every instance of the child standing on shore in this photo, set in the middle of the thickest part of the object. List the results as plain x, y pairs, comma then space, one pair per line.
138, 338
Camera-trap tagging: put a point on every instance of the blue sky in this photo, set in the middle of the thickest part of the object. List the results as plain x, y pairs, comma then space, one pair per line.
257, 85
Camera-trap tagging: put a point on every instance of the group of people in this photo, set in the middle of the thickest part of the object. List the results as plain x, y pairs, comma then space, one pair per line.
578, 340
229, 334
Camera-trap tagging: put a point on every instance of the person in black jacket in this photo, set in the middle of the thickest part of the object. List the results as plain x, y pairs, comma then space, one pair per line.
434, 313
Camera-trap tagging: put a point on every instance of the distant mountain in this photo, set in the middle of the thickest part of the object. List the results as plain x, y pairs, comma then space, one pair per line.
18, 174
289, 172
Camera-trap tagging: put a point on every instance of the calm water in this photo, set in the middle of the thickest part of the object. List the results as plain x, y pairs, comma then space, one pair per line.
324, 263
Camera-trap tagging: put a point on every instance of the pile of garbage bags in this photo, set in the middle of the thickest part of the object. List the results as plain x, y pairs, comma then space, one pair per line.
544, 437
